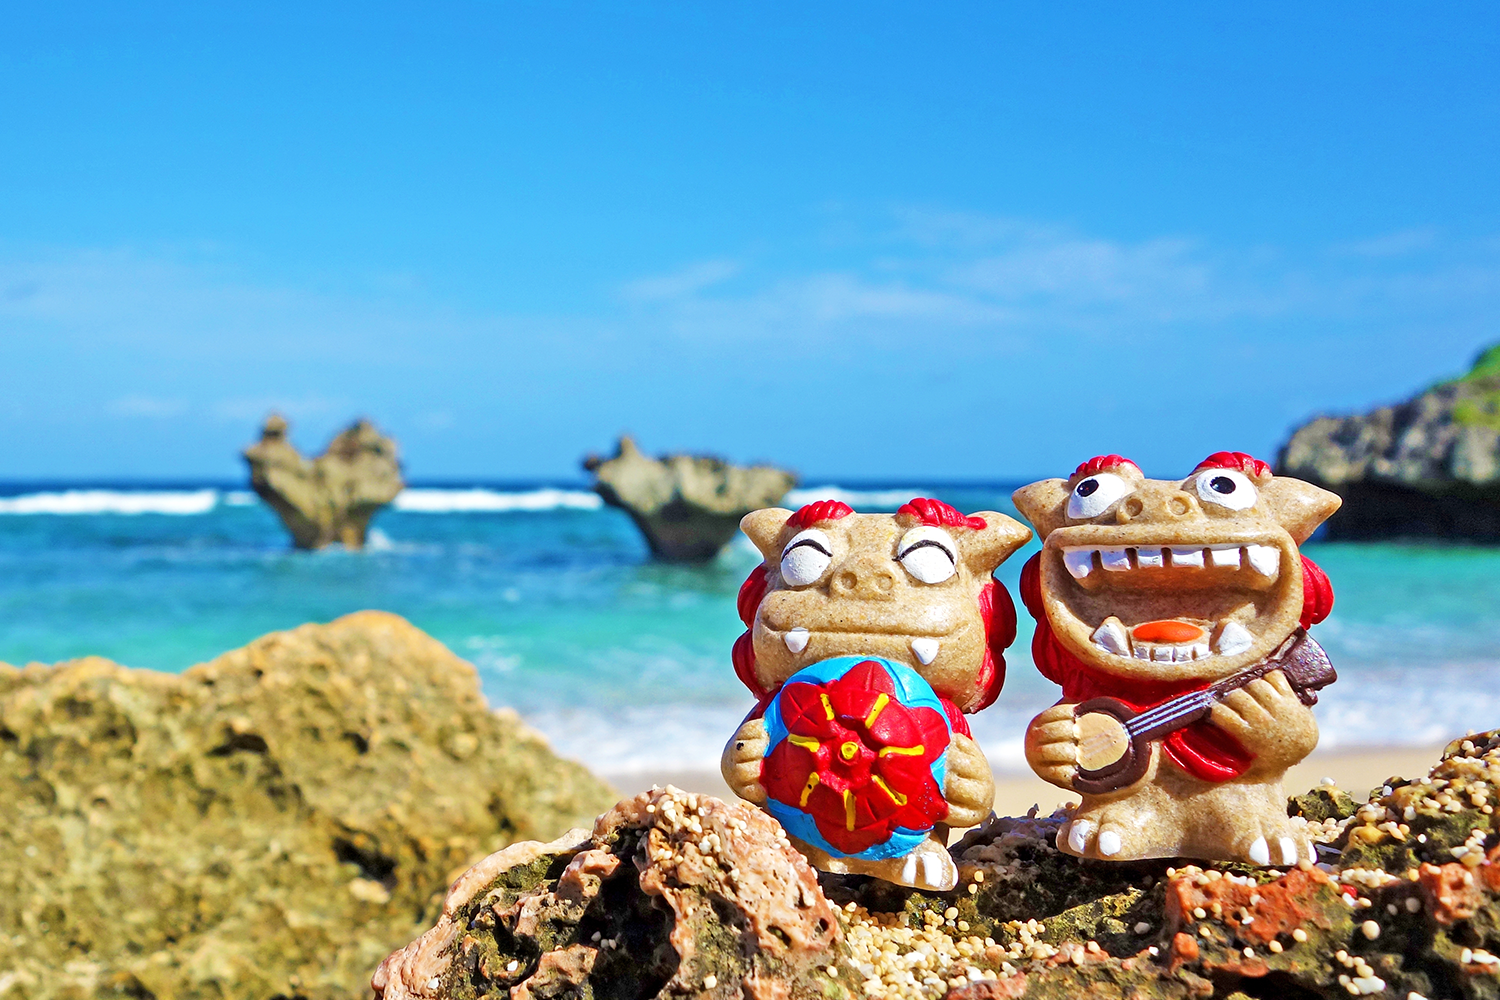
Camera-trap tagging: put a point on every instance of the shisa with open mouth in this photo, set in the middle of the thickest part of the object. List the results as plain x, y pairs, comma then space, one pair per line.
868, 636
1174, 615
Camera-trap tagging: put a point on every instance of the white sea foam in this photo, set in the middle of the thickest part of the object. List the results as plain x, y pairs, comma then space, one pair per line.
239, 498
439, 501
864, 500
112, 502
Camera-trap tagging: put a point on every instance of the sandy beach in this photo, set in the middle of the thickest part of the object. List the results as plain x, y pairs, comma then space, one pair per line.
1354, 770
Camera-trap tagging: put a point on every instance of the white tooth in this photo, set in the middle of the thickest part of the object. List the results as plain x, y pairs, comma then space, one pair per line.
1260, 852
1080, 562
1114, 559
1222, 556
1149, 558
1143, 652
1200, 650
796, 639
926, 649
1288, 851
1187, 557
1234, 638
1162, 654
909, 870
1111, 637
1265, 559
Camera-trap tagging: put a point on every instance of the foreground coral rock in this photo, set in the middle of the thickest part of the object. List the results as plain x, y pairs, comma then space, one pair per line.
683, 895
672, 894
1426, 467
329, 499
271, 823
688, 507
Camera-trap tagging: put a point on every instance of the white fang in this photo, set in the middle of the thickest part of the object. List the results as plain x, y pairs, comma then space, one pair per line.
1265, 559
926, 649
1234, 638
1111, 637
1080, 562
796, 639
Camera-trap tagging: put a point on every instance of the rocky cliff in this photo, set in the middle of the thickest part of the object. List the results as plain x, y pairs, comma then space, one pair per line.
330, 498
269, 824
1428, 467
687, 506
677, 895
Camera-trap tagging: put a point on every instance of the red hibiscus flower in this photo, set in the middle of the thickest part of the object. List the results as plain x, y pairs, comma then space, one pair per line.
857, 760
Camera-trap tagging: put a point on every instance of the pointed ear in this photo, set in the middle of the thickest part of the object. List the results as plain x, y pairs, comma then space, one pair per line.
990, 546
764, 529
1042, 504
1299, 506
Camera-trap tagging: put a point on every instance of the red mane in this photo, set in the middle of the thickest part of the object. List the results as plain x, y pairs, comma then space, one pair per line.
939, 515
996, 610
1237, 460
819, 510
1102, 463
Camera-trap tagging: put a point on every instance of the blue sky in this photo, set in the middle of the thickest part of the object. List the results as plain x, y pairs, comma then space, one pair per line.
865, 240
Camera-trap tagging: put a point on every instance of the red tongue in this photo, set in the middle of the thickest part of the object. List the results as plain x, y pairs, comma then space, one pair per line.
1167, 631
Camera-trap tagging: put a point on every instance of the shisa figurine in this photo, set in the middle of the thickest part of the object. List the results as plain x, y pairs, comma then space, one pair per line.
1174, 613
868, 638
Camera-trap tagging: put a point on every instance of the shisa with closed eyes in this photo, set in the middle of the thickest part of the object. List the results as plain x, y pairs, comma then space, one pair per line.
868, 636
1174, 615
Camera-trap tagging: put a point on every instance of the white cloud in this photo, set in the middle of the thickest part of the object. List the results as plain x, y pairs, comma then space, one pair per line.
680, 283
147, 406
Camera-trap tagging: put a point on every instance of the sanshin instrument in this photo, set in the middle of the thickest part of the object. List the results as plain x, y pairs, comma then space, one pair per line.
1114, 740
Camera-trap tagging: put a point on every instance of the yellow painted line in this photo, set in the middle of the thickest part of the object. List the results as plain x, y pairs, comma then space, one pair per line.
827, 706
915, 751
896, 796
812, 782
849, 810
805, 742
880, 704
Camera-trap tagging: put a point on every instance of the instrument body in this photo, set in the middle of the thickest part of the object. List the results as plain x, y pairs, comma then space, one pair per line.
1114, 746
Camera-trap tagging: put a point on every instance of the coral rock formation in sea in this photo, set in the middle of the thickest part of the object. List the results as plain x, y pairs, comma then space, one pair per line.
687, 506
682, 895
268, 824
1427, 467
330, 498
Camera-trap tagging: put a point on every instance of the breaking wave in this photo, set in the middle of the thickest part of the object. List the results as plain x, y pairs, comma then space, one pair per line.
112, 502
461, 501
420, 500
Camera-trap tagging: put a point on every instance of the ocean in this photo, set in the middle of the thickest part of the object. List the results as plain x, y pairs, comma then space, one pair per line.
623, 663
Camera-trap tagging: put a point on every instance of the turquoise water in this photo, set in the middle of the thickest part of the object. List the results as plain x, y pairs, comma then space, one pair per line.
623, 663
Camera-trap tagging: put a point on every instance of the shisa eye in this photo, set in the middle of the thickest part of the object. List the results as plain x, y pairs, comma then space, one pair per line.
1226, 488
805, 557
928, 554
1095, 495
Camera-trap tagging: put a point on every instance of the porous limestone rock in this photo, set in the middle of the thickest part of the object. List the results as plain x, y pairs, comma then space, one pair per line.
330, 498
268, 824
1406, 901
672, 894
687, 506
1427, 467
